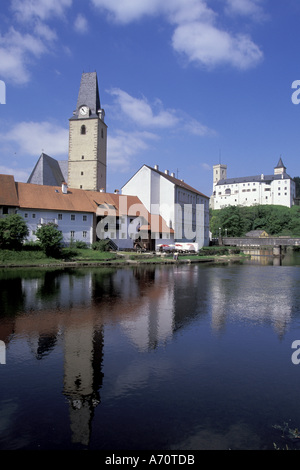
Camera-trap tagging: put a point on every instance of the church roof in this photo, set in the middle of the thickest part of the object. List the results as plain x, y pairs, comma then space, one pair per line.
89, 93
48, 171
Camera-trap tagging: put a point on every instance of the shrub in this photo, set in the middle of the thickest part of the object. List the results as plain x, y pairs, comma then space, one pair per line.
51, 239
100, 245
13, 231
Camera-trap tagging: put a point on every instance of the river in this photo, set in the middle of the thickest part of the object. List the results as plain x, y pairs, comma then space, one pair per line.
184, 357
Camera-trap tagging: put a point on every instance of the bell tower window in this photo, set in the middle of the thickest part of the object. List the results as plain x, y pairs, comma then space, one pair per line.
83, 130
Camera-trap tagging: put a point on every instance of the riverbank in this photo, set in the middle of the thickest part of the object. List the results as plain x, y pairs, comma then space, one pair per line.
91, 258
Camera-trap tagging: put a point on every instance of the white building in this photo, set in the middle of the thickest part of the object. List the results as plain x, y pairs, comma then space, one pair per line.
277, 189
185, 209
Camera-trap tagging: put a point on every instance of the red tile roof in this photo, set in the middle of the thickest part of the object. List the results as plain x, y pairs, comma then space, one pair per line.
41, 197
8, 193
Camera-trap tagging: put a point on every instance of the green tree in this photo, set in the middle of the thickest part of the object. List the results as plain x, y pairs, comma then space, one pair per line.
13, 231
50, 238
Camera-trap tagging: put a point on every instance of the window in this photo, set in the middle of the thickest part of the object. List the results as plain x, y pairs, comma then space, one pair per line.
84, 233
72, 217
72, 234
82, 157
59, 216
26, 215
102, 135
33, 216
83, 130
81, 173
84, 218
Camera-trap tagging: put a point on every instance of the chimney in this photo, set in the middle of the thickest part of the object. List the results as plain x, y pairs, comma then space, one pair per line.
101, 190
166, 172
116, 191
156, 167
173, 175
64, 188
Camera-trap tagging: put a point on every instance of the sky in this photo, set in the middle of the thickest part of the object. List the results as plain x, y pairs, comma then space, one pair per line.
185, 84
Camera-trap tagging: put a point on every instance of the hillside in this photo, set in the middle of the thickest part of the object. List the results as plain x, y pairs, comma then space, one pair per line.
238, 220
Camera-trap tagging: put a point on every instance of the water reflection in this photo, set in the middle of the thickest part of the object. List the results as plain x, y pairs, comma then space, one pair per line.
87, 316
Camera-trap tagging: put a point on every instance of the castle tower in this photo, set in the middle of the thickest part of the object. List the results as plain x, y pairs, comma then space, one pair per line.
280, 168
87, 138
219, 173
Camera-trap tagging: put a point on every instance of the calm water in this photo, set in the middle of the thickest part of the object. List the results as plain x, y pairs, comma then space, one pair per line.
170, 358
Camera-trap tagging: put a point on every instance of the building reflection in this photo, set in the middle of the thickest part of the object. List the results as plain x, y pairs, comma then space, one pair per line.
70, 310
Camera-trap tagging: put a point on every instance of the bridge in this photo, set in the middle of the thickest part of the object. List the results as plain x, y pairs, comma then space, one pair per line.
276, 243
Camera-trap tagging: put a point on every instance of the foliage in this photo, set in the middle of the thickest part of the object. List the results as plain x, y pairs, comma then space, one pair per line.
13, 231
78, 244
100, 245
238, 220
50, 239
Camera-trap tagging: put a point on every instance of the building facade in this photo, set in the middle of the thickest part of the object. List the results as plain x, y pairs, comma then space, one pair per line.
85, 216
185, 209
277, 189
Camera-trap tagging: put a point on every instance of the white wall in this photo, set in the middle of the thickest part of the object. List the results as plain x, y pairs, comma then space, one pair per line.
71, 229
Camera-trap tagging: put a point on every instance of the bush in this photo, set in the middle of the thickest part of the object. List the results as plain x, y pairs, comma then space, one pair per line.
50, 239
13, 231
100, 245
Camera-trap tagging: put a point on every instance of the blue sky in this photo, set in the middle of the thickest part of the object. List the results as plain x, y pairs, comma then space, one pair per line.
185, 84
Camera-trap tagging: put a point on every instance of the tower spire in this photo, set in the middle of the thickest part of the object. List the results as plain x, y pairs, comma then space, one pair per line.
89, 94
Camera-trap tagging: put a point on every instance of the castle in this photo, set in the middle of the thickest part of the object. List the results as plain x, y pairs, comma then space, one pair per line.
278, 189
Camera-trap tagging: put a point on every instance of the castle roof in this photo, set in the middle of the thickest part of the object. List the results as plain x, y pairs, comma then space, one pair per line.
253, 179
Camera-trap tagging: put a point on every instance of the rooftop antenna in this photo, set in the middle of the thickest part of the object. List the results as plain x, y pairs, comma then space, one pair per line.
220, 156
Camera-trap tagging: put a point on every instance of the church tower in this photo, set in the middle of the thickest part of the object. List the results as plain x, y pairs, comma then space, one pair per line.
87, 138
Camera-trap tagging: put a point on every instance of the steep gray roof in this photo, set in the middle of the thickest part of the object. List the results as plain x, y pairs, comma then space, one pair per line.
89, 93
253, 179
280, 164
48, 171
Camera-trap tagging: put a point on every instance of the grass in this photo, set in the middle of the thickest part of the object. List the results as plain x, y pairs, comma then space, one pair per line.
35, 256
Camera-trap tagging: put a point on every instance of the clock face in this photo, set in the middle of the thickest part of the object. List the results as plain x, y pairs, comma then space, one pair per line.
83, 110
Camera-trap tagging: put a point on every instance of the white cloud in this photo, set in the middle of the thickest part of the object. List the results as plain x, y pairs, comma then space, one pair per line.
206, 45
145, 116
15, 50
244, 7
122, 146
33, 138
196, 33
140, 112
19, 174
29, 38
26, 10
125, 11
194, 127
81, 24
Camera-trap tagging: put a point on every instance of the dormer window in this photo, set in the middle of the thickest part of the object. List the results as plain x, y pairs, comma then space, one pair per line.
83, 130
